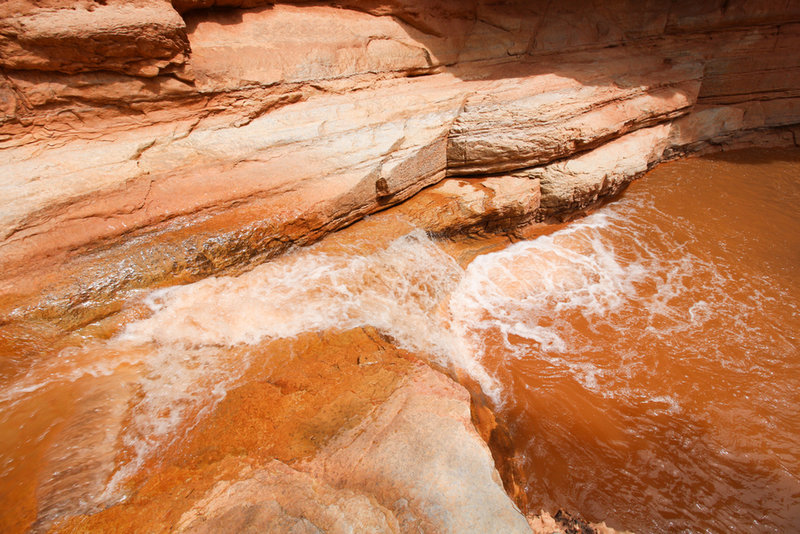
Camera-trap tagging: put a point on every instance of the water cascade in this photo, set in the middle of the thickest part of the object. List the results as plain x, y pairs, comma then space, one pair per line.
645, 359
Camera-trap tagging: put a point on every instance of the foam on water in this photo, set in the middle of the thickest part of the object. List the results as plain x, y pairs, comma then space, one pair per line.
565, 299
180, 348
525, 289
414, 292
626, 308
636, 343
396, 289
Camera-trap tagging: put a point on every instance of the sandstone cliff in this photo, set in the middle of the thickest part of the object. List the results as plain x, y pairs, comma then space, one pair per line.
146, 143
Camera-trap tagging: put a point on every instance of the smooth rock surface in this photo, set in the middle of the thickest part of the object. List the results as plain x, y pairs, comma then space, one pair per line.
413, 455
277, 499
401, 470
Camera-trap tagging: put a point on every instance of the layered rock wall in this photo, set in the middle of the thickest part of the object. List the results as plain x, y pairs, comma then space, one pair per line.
121, 119
146, 142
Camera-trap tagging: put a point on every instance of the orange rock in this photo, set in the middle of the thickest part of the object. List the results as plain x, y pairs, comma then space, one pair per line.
148, 142
140, 38
289, 122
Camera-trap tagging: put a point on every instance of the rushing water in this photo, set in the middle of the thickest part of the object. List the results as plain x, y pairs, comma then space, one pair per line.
645, 358
650, 353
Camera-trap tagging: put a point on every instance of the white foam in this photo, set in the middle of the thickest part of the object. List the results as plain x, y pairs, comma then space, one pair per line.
399, 290
625, 275
181, 351
524, 290
413, 292
396, 289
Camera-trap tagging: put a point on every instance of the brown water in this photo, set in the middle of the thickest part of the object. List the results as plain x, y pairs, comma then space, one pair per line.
649, 355
646, 359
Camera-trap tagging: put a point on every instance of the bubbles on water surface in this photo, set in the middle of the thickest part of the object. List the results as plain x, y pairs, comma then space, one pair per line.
182, 351
620, 306
635, 338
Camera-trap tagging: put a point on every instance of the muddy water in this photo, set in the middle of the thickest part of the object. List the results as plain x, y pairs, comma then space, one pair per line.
645, 358
88, 417
649, 354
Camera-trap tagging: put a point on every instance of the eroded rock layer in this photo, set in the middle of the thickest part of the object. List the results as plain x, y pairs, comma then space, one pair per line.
149, 142
225, 132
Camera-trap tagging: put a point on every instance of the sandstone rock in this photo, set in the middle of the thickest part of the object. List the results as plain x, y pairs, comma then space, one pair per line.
140, 147
401, 470
293, 44
732, 76
565, 523
151, 175
276, 498
565, 109
695, 16
289, 121
183, 6
499, 31
139, 38
457, 206
576, 24
580, 181
295, 396
78, 466
734, 125
320, 443
68, 469
706, 124
413, 455
436, 18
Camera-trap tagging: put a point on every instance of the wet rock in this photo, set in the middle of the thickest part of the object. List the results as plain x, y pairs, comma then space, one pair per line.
150, 142
403, 469
296, 396
318, 441
579, 182
565, 523
464, 206
277, 498
413, 455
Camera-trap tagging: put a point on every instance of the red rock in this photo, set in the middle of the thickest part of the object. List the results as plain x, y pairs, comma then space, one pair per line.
413, 455
577, 183
277, 498
140, 38
285, 123
150, 142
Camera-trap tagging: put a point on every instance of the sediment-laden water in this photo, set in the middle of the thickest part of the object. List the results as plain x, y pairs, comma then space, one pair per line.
649, 354
645, 359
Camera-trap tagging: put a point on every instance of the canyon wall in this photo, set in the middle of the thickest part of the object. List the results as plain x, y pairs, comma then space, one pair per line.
147, 143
